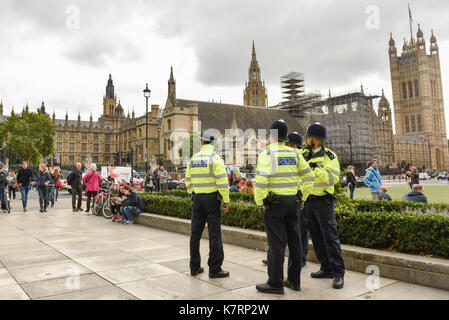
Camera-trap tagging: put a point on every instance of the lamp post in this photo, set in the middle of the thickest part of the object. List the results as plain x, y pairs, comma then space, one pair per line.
350, 141
158, 143
146, 94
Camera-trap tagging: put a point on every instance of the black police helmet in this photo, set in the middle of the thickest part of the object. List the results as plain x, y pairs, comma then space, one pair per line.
294, 139
280, 129
316, 130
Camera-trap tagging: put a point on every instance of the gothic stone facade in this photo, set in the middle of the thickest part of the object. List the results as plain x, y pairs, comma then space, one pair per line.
418, 104
76, 139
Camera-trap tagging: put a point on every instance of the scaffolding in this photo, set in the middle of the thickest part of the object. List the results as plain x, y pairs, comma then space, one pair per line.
292, 86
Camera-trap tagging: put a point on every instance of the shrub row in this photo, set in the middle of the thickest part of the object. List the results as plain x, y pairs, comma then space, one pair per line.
406, 232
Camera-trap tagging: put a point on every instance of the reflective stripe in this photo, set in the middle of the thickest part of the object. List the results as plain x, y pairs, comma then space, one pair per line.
262, 173
260, 185
331, 178
308, 179
320, 185
221, 176
222, 186
188, 179
305, 171
284, 175
201, 175
203, 185
334, 172
283, 185
276, 151
273, 163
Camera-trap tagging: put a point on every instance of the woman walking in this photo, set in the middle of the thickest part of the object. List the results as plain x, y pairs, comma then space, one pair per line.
12, 184
42, 180
58, 184
350, 178
92, 180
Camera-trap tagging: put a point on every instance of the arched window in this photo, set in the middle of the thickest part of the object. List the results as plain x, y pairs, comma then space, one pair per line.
413, 123
416, 88
410, 89
404, 90
407, 124
419, 123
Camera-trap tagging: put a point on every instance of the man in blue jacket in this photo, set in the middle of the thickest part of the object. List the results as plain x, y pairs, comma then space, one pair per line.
416, 195
373, 180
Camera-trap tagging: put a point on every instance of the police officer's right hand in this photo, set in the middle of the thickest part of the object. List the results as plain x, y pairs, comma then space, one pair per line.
225, 207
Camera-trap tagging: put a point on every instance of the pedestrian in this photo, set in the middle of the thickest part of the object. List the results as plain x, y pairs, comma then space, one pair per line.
74, 179
319, 207
149, 182
235, 187
350, 179
42, 180
12, 184
248, 188
163, 176
280, 169
414, 176
156, 179
206, 180
131, 205
51, 188
3, 186
25, 178
416, 195
58, 183
92, 182
384, 195
373, 180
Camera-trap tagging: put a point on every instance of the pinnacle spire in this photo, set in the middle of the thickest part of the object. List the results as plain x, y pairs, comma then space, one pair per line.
172, 78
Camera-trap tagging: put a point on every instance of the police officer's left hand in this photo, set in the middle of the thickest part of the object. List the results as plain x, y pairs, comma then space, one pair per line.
225, 207
301, 206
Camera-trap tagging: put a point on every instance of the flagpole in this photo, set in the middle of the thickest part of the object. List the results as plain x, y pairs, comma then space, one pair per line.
410, 20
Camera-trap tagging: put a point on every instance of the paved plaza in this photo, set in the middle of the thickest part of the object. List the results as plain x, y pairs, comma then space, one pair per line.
66, 255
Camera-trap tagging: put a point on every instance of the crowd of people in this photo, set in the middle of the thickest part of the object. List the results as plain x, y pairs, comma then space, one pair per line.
373, 180
46, 182
156, 180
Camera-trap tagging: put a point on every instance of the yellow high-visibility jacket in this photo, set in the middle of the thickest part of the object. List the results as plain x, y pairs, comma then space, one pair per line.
327, 172
280, 169
206, 173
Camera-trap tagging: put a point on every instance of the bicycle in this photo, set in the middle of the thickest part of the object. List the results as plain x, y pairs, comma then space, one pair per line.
7, 201
102, 202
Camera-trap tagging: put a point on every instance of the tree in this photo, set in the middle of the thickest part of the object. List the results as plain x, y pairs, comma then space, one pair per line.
31, 135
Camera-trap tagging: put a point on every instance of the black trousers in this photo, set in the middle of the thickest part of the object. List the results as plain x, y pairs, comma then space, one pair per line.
323, 229
77, 191
206, 208
90, 195
281, 221
304, 225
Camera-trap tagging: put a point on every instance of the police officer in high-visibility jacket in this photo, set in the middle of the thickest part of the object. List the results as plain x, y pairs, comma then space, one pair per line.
319, 207
207, 181
279, 170
295, 141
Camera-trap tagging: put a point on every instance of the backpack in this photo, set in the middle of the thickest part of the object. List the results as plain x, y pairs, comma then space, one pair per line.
3, 181
70, 179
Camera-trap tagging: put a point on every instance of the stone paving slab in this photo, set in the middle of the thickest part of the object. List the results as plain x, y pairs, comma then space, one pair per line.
137, 262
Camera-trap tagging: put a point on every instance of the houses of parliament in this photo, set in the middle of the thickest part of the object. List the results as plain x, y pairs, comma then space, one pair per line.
418, 108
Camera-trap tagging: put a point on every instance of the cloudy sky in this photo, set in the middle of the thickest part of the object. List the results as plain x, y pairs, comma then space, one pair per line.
62, 51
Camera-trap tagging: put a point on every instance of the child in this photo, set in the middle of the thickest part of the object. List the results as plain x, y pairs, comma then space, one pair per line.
384, 195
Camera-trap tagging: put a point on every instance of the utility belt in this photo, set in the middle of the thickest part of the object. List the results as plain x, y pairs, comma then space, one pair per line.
324, 197
207, 195
273, 198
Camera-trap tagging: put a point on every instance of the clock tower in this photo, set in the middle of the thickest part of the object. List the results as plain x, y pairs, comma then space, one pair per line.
255, 93
418, 96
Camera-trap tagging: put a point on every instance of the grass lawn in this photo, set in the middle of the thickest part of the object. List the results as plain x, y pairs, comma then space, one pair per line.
434, 193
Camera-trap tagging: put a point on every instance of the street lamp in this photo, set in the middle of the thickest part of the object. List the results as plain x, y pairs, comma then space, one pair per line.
146, 94
350, 141
158, 142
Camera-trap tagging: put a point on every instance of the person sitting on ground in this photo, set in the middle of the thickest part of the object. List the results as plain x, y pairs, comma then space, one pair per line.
248, 188
116, 204
235, 186
416, 195
384, 195
132, 204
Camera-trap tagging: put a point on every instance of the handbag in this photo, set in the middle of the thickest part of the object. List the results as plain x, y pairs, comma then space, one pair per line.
59, 184
15, 185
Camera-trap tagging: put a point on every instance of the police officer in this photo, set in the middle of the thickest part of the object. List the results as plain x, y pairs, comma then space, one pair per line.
319, 207
207, 181
279, 169
294, 140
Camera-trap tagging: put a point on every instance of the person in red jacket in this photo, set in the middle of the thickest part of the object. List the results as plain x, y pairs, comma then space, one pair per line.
92, 180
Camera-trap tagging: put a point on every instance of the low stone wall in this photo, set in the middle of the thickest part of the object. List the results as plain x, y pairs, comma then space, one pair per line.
425, 271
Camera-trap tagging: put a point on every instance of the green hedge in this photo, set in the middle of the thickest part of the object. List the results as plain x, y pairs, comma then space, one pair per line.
234, 196
406, 232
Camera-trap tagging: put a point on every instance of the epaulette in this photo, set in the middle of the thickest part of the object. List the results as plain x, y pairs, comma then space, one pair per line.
330, 154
